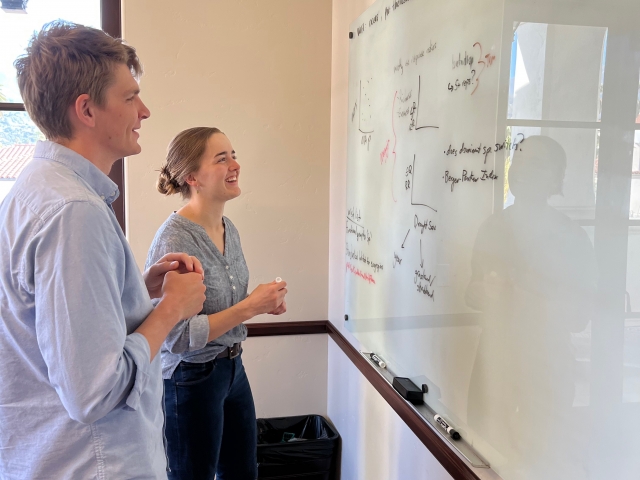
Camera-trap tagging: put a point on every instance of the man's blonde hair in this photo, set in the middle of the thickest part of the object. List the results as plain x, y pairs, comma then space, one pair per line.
63, 61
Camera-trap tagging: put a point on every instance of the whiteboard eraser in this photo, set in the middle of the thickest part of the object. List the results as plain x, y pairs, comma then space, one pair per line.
408, 390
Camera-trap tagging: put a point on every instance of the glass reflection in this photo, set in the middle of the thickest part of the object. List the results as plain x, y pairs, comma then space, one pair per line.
577, 197
531, 347
638, 107
557, 72
631, 381
634, 205
534, 278
632, 291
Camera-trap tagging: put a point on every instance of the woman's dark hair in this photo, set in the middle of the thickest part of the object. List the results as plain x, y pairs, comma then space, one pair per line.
183, 157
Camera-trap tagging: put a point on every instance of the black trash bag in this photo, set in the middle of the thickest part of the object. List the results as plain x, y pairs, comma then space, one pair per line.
303, 447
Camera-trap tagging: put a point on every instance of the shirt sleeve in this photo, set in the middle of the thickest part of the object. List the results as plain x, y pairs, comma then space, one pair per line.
192, 333
188, 335
93, 363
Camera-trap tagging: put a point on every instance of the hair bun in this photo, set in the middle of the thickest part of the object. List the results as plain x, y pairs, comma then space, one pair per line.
166, 184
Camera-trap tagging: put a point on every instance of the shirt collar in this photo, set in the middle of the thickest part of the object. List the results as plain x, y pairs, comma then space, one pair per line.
92, 175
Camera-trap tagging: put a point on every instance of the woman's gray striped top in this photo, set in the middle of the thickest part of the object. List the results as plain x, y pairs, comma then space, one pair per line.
226, 279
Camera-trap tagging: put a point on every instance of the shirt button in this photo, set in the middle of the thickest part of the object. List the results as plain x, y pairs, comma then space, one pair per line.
234, 287
227, 267
102, 197
231, 277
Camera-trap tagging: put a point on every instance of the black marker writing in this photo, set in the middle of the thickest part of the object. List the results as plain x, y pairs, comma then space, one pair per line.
468, 176
361, 233
466, 61
485, 150
353, 254
423, 288
423, 225
354, 214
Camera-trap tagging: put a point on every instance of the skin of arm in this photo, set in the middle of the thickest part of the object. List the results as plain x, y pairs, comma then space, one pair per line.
266, 298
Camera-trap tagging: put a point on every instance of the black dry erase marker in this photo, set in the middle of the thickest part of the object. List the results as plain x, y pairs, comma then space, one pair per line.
377, 360
441, 421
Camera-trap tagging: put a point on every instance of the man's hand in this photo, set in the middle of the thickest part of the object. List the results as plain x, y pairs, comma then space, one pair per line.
181, 262
182, 294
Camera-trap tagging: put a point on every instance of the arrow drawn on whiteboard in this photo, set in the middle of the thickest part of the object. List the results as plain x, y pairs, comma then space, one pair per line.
405, 238
421, 260
393, 128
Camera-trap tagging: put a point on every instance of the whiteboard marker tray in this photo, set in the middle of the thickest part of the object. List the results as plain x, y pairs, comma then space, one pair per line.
427, 413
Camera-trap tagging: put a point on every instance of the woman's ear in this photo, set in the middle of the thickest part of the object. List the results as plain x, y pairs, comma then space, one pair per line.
190, 180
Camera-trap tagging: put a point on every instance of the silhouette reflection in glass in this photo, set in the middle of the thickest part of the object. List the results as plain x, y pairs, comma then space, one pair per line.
534, 279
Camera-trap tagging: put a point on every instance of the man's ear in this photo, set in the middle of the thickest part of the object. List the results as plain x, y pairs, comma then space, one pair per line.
83, 111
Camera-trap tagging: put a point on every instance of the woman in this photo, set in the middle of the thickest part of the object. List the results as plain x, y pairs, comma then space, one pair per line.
210, 417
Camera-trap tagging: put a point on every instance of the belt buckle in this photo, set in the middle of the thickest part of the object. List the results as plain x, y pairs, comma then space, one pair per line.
234, 351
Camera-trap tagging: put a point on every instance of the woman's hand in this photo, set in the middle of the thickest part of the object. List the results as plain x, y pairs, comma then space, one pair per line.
267, 298
280, 310
183, 263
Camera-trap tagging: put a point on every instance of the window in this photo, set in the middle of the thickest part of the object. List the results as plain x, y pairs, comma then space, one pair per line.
556, 84
565, 86
18, 134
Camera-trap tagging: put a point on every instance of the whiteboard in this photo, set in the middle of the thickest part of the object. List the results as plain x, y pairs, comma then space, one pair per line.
492, 232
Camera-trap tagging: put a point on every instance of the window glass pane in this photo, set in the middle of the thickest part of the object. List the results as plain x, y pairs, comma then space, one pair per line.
638, 106
581, 350
18, 136
631, 371
557, 72
632, 294
17, 28
634, 205
580, 145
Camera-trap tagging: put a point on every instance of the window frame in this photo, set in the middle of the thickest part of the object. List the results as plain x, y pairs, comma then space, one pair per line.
111, 22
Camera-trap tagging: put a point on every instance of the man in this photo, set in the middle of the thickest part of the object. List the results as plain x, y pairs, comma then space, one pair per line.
80, 378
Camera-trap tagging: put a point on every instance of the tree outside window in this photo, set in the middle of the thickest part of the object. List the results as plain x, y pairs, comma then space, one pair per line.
18, 21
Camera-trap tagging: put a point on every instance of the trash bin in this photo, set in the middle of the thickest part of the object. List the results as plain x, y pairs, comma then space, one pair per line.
303, 447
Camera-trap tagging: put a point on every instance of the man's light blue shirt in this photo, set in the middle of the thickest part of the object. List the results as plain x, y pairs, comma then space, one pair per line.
79, 397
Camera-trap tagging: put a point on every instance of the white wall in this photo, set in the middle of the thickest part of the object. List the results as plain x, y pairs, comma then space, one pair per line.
260, 71
376, 443
288, 374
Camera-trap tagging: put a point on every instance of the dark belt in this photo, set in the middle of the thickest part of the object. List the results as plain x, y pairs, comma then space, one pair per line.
231, 352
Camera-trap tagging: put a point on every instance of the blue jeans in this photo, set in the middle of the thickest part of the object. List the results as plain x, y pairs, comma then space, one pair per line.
210, 422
